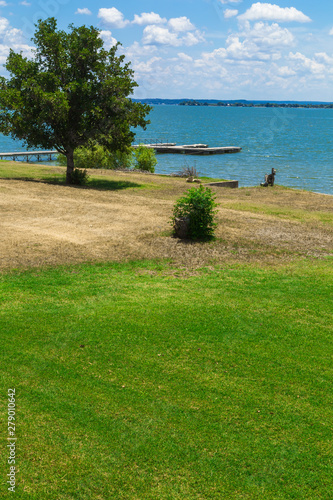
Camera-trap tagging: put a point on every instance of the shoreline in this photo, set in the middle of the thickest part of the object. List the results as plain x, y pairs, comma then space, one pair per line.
240, 103
168, 175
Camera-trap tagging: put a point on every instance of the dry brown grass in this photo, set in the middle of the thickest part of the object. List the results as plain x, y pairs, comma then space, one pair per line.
45, 224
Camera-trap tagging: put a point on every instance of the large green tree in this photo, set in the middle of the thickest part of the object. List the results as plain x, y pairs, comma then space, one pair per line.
70, 92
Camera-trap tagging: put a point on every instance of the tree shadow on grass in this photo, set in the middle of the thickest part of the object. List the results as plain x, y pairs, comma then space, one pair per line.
98, 184
111, 185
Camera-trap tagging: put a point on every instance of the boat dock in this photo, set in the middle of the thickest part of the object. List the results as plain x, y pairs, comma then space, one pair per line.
190, 149
159, 148
27, 155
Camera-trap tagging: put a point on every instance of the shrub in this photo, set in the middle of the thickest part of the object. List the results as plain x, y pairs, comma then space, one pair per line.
188, 171
197, 211
96, 156
79, 177
145, 158
121, 159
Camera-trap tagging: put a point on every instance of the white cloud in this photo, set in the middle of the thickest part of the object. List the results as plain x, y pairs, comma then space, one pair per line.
258, 58
331, 31
214, 74
4, 25
148, 18
12, 38
301, 62
262, 42
3, 3
180, 24
184, 57
269, 12
146, 66
285, 71
84, 11
112, 17
136, 50
158, 35
322, 56
230, 13
243, 50
25, 3
192, 38
264, 34
108, 39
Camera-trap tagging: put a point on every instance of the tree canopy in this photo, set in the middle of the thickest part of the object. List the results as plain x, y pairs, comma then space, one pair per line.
70, 92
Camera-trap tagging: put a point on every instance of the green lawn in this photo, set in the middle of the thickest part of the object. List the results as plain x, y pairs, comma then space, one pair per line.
31, 171
141, 381
56, 175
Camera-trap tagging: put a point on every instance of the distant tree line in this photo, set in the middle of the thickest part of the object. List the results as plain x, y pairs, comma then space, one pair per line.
246, 104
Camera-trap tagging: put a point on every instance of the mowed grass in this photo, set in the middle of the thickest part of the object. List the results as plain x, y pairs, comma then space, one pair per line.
144, 381
53, 174
57, 175
287, 213
30, 171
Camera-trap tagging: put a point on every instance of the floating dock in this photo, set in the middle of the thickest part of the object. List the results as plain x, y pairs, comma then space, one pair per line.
190, 149
159, 148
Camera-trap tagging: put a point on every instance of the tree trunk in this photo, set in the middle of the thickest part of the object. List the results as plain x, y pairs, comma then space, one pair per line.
70, 166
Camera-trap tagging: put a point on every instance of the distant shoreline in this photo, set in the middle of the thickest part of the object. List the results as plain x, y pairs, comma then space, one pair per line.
237, 103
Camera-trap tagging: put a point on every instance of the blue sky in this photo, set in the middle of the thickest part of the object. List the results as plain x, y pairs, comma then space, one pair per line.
222, 49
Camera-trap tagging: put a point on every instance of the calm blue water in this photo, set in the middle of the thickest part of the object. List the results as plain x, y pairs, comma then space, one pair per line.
296, 142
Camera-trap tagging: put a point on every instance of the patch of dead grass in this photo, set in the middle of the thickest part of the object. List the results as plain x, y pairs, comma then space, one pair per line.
44, 224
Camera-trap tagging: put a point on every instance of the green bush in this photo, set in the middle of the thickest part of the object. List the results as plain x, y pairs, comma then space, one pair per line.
145, 158
197, 210
121, 159
96, 156
79, 177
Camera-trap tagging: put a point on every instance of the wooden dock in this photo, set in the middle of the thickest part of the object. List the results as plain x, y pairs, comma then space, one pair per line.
27, 155
159, 148
190, 149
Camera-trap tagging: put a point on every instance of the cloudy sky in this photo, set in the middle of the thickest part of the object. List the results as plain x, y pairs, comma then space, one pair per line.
222, 49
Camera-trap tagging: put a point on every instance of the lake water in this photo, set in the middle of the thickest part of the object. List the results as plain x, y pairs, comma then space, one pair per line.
296, 142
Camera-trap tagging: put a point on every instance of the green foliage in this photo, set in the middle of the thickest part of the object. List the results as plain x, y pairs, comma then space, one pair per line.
71, 92
97, 156
79, 177
121, 159
145, 158
199, 206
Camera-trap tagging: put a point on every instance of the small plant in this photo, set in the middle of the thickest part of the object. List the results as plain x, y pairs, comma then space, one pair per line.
79, 177
145, 159
188, 171
194, 215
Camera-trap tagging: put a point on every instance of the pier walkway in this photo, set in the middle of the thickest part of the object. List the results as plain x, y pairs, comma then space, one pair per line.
159, 148
27, 155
